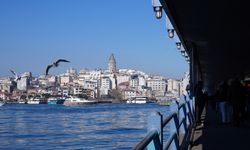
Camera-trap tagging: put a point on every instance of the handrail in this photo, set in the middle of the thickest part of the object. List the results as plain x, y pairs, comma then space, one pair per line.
170, 140
181, 119
181, 106
169, 118
146, 140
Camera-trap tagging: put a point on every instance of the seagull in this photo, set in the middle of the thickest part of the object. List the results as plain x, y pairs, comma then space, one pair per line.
55, 64
15, 75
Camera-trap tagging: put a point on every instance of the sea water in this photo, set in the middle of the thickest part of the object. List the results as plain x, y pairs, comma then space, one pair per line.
99, 126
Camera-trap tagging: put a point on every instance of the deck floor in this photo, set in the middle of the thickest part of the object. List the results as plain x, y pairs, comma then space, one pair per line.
213, 135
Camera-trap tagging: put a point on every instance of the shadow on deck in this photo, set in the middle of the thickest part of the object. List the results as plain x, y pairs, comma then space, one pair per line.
216, 136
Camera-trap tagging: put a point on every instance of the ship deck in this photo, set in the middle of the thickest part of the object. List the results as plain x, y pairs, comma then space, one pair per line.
216, 136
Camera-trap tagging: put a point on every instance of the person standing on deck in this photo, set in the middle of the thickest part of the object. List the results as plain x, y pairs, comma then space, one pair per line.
199, 101
236, 97
223, 102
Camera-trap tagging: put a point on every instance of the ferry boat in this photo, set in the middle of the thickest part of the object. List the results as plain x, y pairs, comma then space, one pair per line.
138, 100
73, 101
37, 101
52, 101
33, 101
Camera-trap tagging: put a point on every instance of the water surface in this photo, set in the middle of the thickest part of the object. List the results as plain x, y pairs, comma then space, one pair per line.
99, 126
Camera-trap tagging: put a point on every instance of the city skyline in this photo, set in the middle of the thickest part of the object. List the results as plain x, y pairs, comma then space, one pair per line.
34, 34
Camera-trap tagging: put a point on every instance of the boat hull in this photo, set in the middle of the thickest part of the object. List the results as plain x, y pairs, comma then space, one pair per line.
68, 103
137, 101
57, 101
78, 101
33, 102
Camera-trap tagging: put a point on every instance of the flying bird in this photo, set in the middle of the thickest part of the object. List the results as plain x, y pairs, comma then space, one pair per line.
55, 64
15, 75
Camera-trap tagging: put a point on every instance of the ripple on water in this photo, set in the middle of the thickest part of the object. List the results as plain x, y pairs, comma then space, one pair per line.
101, 126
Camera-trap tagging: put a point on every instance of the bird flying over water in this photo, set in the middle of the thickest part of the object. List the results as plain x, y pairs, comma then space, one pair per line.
15, 75
55, 64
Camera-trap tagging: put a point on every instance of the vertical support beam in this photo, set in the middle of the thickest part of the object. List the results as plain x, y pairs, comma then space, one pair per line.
155, 122
191, 72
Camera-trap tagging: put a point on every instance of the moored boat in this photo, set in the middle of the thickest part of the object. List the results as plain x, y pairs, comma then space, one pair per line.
73, 101
37, 101
54, 101
33, 101
138, 100
21, 102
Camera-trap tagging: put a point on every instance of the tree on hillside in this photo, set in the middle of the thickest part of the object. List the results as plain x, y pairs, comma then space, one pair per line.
23, 97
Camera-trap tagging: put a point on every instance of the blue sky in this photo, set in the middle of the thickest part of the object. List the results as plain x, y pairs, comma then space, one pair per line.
34, 33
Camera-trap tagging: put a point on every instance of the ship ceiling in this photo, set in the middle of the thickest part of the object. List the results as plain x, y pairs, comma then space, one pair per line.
220, 32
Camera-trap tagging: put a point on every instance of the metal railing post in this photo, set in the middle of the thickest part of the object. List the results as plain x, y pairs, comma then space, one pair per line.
155, 122
179, 120
174, 123
182, 115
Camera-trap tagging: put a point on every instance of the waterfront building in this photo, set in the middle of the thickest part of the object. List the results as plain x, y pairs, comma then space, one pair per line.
122, 77
90, 74
95, 74
113, 80
90, 84
142, 81
90, 93
158, 86
105, 85
42, 80
128, 94
53, 80
174, 87
22, 84
71, 71
64, 80
105, 82
78, 90
6, 85
28, 75
5, 95
134, 81
123, 85
112, 64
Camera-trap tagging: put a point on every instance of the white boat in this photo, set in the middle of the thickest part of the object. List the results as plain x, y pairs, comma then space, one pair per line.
2, 103
138, 100
37, 101
33, 101
21, 102
77, 101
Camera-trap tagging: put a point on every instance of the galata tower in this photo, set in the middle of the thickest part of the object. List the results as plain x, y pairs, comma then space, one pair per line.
112, 64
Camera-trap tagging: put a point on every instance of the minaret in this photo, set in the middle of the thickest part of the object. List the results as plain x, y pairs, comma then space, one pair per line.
112, 64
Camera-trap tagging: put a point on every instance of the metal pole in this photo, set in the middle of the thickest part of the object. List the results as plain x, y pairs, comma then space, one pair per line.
155, 122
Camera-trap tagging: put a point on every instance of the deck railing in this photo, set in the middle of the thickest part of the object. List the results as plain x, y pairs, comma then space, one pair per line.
180, 121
